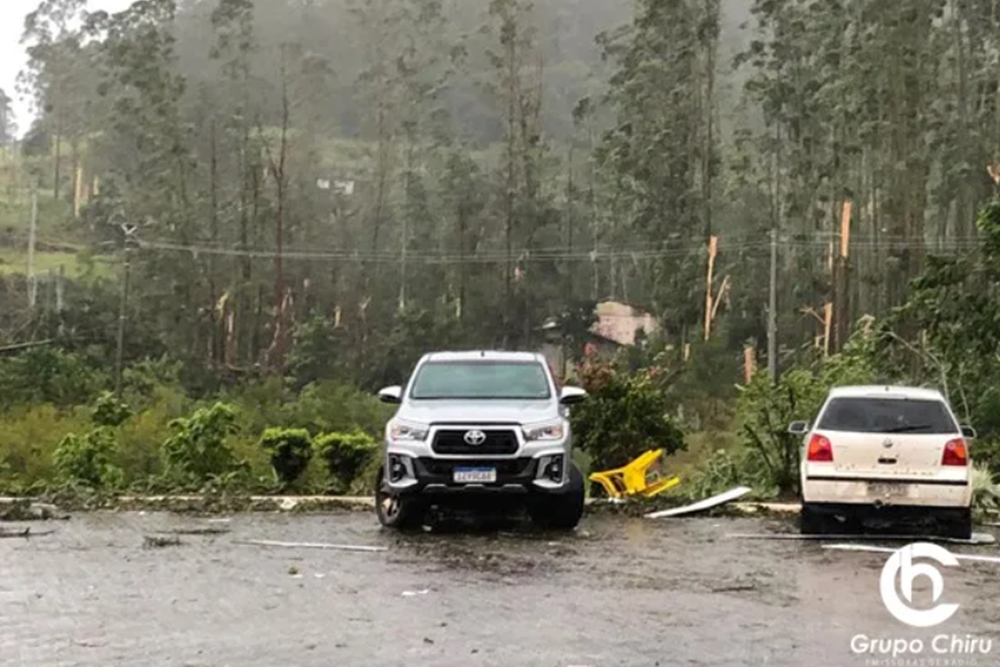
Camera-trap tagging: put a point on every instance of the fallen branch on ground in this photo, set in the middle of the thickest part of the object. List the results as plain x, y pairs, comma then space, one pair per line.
310, 545
195, 531
23, 533
153, 541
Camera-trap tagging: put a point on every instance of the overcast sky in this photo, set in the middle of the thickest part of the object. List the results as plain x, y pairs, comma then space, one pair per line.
12, 56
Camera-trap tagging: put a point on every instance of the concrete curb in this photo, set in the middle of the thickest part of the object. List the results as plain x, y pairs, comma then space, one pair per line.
305, 503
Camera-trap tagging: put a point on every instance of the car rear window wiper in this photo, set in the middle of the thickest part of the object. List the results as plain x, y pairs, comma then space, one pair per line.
909, 428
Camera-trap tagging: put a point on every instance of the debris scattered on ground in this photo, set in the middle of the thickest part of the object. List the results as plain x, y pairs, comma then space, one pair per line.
310, 545
737, 588
702, 505
158, 542
408, 594
887, 550
23, 533
196, 531
977, 538
25, 510
293, 570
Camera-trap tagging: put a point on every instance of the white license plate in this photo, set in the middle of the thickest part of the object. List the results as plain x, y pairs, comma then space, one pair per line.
888, 489
475, 475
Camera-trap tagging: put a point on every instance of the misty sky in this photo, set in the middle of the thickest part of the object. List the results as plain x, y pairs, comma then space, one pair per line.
12, 56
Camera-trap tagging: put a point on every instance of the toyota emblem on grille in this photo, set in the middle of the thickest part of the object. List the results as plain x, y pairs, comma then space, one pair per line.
474, 437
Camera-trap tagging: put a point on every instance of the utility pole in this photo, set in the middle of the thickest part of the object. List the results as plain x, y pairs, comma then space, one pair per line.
32, 292
128, 230
772, 311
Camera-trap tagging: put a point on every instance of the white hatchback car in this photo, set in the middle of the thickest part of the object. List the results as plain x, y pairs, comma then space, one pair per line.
888, 455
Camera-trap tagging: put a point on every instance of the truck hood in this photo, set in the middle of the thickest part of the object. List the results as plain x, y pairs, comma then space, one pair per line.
478, 411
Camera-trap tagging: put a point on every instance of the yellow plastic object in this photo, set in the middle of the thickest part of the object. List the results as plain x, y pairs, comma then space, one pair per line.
641, 477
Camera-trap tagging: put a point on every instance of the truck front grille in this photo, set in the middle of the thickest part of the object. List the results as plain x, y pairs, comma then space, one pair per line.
452, 441
505, 468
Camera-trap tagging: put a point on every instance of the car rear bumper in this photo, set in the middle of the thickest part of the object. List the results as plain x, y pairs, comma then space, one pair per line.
905, 493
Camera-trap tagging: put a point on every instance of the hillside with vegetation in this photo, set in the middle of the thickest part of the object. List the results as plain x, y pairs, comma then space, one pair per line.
250, 214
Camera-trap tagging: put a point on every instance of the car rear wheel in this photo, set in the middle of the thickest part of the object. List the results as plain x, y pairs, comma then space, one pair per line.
958, 527
814, 522
396, 510
560, 511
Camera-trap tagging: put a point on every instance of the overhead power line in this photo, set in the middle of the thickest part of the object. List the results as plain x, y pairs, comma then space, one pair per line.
636, 253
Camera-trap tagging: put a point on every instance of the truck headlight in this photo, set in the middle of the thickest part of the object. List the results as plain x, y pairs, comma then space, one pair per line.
400, 430
545, 431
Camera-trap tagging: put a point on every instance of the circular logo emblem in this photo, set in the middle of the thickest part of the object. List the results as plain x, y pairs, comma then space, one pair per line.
474, 437
901, 564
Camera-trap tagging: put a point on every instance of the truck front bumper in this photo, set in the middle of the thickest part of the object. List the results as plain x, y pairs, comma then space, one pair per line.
544, 472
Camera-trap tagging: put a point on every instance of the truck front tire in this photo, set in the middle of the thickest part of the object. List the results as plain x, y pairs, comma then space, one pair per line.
560, 511
396, 510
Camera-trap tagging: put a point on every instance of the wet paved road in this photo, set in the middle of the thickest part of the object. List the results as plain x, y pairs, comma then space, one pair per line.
619, 592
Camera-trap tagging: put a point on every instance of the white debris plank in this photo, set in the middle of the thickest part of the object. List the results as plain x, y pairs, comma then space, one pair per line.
977, 538
311, 545
702, 505
887, 550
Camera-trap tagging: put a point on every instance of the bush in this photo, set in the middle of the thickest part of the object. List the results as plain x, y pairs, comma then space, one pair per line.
87, 460
765, 409
985, 492
28, 438
290, 450
345, 456
624, 415
985, 453
198, 450
109, 411
46, 375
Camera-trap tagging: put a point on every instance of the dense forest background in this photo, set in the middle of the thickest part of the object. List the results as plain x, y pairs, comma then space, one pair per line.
328, 188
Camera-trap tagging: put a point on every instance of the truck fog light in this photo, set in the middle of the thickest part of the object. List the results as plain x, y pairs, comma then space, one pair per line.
554, 469
397, 468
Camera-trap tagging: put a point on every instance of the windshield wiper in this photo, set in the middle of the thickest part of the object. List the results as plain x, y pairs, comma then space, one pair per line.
908, 428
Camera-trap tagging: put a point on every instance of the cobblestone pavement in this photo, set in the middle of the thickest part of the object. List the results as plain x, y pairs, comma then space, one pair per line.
617, 592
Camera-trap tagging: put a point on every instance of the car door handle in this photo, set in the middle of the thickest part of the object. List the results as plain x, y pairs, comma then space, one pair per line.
887, 461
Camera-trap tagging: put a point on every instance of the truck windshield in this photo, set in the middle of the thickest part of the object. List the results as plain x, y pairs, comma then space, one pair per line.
887, 415
481, 380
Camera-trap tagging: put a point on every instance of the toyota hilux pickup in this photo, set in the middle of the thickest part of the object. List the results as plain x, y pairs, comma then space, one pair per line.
478, 425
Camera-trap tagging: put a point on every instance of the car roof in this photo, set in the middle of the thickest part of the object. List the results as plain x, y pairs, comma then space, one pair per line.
886, 391
485, 355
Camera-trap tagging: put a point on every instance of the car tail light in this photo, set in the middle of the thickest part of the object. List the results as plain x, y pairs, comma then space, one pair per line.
955, 453
820, 449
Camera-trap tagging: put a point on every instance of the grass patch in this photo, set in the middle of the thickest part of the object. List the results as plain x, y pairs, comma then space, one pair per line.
15, 262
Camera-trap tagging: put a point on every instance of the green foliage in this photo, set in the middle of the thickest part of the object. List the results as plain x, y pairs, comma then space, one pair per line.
946, 333
47, 375
985, 453
109, 411
290, 450
345, 454
765, 409
28, 438
985, 492
198, 450
87, 460
623, 416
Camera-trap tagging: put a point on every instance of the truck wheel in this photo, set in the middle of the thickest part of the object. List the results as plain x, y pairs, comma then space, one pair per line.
395, 510
560, 511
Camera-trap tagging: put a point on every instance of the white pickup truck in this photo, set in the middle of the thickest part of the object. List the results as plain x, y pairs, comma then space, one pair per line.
480, 427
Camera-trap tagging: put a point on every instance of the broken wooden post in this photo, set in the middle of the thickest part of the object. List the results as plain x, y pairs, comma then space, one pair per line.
713, 246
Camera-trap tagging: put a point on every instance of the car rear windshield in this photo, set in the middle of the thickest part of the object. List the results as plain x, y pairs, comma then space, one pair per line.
481, 380
887, 415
